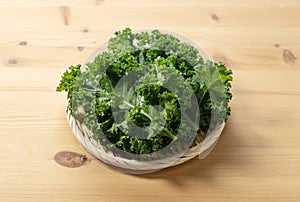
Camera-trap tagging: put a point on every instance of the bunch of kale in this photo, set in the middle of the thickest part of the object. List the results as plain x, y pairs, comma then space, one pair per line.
134, 92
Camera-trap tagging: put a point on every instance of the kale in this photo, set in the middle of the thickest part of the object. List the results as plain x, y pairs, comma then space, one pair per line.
134, 92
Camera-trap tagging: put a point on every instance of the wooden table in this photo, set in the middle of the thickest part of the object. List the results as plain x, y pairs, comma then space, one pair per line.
258, 156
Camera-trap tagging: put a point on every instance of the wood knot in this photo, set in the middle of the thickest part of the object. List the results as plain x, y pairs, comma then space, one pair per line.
23, 43
288, 57
12, 61
85, 30
70, 159
99, 2
276, 45
65, 14
215, 17
80, 48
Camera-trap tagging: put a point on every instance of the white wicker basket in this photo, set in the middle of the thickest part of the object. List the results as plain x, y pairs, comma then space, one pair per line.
199, 147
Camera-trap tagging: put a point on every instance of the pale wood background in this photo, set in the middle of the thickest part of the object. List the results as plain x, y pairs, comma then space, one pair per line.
258, 156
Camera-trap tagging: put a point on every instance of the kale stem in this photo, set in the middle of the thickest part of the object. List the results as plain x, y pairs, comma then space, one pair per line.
169, 134
142, 111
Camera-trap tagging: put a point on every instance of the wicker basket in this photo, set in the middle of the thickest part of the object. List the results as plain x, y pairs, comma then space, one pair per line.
201, 146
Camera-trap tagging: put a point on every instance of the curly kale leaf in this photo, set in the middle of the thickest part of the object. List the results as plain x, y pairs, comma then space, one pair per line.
67, 81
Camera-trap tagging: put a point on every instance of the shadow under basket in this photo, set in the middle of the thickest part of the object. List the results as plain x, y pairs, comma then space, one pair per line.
199, 147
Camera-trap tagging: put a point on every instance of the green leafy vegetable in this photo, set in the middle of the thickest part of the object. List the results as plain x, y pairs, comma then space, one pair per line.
125, 92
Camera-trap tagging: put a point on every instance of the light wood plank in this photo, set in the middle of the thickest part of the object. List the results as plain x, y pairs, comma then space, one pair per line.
154, 3
240, 48
154, 16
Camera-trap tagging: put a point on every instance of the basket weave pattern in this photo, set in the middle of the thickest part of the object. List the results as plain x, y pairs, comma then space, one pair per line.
85, 137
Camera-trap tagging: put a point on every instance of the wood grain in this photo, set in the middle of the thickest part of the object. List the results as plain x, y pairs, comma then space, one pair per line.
258, 155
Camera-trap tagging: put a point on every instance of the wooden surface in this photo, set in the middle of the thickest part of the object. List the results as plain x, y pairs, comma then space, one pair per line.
258, 156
